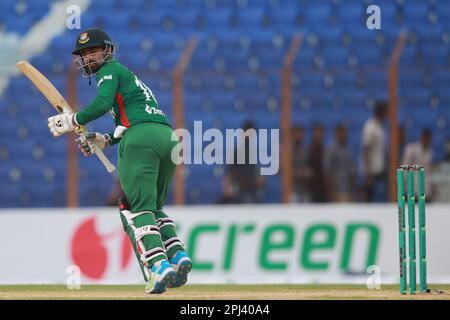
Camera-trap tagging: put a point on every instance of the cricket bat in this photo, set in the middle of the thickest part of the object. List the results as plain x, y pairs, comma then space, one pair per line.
59, 103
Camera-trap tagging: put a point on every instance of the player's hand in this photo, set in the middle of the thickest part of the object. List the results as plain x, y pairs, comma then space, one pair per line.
86, 141
61, 124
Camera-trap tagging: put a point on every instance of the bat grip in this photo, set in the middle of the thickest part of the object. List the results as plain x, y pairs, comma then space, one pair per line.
99, 153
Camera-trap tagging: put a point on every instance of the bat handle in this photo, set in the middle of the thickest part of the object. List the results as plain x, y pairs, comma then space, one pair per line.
99, 153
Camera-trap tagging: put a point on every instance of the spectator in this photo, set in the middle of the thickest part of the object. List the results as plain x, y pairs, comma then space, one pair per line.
301, 173
339, 168
317, 185
373, 155
420, 153
242, 182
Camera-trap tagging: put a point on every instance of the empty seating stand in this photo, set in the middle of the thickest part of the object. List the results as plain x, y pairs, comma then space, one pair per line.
234, 75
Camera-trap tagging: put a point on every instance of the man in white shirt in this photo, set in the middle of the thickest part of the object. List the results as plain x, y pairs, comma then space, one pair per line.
374, 157
420, 152
339, 168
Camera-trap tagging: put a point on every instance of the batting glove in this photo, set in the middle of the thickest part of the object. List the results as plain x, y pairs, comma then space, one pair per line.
86, 141
61, 124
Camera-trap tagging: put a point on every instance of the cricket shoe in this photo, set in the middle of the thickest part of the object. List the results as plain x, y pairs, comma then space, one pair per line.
162, 277
182, 265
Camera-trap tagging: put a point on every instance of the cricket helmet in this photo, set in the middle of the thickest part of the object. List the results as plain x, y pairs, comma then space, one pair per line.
90, 38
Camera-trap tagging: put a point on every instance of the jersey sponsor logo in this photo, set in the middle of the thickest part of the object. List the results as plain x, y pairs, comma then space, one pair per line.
109, 77
153, 110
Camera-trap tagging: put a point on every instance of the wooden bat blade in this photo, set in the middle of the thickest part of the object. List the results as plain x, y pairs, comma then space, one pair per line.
57, 101
45, 87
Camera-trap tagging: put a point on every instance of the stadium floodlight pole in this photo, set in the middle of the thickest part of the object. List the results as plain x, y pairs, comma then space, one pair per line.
286, 107
393, 113
178, 110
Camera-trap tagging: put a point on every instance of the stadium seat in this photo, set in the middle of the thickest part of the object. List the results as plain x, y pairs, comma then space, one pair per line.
316, 13
253, 17
284, 17
351, 13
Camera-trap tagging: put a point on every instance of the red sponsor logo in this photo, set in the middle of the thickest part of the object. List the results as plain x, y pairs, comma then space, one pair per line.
89, 250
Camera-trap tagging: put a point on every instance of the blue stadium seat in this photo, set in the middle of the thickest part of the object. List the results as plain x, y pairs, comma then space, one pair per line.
428, 34
259, 38
128, 42
193, 100
138, 62
325, 34
248, 82
362, 36
416, 98
120, 20
105, 5
284, 17
378, 80
217, 18
443, 10
411, 78
312, 81
437, 55
305, 59
317, 13
229, 38
251, 17
335, 56
415, 12
353, 97
345, 80
186, 18
351, 13
145, 20
368, 55
202, 60
409, 57
269, 60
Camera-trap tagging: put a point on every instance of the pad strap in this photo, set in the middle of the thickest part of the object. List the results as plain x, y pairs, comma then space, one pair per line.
169, 243
139, 233
130, 216
162, 222
151, 254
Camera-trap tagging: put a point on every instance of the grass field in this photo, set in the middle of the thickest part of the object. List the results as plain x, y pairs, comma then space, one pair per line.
220, 292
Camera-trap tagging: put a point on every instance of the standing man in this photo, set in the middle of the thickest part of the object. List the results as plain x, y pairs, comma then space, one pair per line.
317, 185
301, 171
145, 167
421, 153
374, 158
339, 168
242, 182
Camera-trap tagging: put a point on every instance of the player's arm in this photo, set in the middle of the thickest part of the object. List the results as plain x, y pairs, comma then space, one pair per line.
107, 87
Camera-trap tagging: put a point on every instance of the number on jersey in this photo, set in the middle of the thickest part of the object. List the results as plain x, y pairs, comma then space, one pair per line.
147, 92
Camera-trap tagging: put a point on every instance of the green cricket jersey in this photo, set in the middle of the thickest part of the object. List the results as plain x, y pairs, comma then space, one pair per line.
126, 97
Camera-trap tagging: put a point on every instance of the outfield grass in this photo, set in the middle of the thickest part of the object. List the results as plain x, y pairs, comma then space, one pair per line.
219, 292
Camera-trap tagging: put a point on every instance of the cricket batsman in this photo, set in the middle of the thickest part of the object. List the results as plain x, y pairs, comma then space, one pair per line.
145, 166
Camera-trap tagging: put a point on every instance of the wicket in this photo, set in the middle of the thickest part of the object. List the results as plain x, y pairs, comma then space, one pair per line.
411, 197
